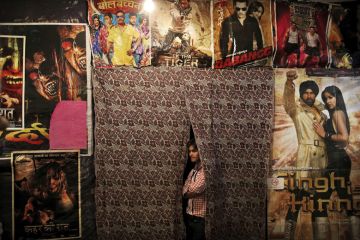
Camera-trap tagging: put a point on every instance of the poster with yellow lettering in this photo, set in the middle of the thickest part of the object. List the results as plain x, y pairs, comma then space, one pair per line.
120, 33
181, 33
314, 177
242, 33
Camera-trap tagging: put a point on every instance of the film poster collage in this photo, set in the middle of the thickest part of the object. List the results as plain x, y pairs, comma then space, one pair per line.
45, 86
314, 177
314, 181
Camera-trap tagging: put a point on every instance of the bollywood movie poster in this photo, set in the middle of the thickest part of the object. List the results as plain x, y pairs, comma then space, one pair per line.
55, 69
120, 33
242, 33
181, 33
314, 178
12, 73
300, 34
46, 195
343, 39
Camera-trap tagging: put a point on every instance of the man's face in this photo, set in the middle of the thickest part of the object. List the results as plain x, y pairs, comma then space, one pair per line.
241, 8
194, 154
120, 18
133, 20
293, 26
308, 97
312, 30
184, 4
107, 20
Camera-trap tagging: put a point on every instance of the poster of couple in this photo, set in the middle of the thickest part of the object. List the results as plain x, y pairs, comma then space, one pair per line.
314, 177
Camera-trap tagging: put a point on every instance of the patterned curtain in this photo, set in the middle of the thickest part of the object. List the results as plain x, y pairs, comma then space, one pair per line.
143, 120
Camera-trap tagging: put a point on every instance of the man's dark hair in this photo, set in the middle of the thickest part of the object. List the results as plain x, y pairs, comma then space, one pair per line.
309, 84
108, 14
95, 16
132, 14
120, 11
245, 1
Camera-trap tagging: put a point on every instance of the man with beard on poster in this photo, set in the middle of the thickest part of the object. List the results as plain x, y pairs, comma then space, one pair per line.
311, 156
239, 30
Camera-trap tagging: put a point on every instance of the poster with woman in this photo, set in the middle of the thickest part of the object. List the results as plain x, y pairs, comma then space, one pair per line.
242, 33
314, 177
120, 33
46, 195
300, 34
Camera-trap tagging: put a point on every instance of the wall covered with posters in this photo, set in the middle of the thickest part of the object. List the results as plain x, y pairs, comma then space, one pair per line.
46, 99
180, 51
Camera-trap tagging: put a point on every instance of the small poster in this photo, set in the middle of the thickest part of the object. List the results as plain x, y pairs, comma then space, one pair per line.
12, 74
46, 195
181, 33
242, 33
120, 33
300, 34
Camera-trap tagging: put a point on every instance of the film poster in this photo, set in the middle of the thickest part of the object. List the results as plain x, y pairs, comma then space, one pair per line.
12, 73
46, 195
55, 69
120, 33
314, 178
342, 38
300, 34
181, 33
242, 33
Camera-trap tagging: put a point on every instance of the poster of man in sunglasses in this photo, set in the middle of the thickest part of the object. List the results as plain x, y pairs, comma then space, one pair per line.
242, 32
46, 190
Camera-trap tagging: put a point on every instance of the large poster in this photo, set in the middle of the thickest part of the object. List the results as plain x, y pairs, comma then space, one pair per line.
300, 34
56, 70
120, 33
242, 33
12, 73
314, 182
181, 33
46, 195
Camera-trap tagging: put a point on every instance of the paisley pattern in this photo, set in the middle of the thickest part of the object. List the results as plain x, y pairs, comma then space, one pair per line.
143, 120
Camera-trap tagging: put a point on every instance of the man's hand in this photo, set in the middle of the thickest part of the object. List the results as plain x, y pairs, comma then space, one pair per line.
130, 52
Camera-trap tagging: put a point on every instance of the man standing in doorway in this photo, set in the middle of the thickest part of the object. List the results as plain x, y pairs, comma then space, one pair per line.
238, 31
194, 192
